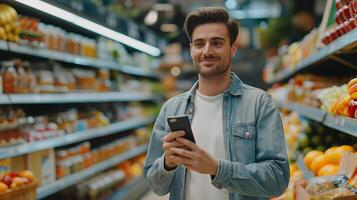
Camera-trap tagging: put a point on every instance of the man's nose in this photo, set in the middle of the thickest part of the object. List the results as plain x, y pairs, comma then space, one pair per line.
207, 49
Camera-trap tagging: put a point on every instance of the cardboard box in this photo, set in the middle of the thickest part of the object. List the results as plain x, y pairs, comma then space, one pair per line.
348, 164
42, 164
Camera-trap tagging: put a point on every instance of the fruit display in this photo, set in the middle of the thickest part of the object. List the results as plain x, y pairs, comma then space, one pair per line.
345, 18
340, 100
9, 29
325, 163
13, 180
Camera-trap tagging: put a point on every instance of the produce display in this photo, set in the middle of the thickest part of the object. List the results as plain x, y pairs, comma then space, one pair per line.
336, 96
345, 18
9, 28
320, 146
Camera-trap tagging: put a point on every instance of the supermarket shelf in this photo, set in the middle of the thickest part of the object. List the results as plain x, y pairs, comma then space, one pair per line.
306, 173
20, 149
60, 56
70, 180
133, 190
344, 124
4, 99
344, 42
74, 59
137, 71
307, 111
3, 45
75, 98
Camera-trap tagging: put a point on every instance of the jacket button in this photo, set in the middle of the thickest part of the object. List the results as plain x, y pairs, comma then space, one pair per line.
247, 134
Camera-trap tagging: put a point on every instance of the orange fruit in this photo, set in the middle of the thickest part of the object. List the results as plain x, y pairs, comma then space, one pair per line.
297, 175
333, 154
27, 174
3, 187
293, 168
346, 148
309, 157
318, 163
328, 170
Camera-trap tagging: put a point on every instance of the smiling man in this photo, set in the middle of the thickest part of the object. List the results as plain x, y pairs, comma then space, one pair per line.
239, 151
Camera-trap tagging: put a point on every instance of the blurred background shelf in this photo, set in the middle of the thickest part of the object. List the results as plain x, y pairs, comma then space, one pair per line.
76, 98
72, 179
71, 138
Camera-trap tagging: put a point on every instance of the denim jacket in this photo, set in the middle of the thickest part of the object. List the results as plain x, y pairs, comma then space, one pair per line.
256, 165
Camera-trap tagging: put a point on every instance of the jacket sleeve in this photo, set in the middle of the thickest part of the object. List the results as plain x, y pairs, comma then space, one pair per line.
158, 178
269, 175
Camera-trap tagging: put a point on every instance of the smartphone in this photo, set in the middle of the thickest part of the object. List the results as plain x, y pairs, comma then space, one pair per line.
181, 123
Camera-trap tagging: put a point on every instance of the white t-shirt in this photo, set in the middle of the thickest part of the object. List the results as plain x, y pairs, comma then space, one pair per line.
207, 127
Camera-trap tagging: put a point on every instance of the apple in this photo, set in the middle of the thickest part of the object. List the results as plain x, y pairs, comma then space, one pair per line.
353, 8
346, 14
352, 23
13, 174
7, 180
352, 108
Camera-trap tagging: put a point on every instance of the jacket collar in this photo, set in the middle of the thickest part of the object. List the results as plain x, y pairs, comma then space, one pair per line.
235, 89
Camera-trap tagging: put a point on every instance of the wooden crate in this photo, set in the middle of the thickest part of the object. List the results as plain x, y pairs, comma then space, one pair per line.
23, 193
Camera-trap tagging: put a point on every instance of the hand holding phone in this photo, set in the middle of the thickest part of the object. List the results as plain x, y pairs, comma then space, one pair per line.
181, 123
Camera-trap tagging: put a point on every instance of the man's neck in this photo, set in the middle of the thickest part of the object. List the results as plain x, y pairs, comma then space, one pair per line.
214, 86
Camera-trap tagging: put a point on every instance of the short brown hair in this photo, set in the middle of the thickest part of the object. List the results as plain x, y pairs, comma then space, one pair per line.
207, 15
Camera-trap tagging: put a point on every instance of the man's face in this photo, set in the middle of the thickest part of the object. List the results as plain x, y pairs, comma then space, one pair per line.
211, 51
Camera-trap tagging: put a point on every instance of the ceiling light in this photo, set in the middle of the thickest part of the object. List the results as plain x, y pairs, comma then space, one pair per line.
151, 18
91, 26
231, 4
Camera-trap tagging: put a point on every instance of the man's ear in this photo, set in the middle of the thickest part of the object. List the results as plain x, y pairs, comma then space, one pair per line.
234, 48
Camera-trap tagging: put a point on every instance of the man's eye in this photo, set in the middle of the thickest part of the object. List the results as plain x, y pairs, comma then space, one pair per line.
217, 43
199, 44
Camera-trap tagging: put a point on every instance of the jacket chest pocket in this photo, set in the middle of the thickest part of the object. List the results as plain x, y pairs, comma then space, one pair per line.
243, 142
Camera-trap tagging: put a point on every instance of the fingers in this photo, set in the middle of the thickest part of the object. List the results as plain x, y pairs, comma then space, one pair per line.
188, 143
167, 145
183, 153
173, 135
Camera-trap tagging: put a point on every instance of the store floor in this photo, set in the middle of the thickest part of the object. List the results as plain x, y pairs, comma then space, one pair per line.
151, 196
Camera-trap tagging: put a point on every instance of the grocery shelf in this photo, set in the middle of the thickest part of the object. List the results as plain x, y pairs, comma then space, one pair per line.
74, 59
75, 178
71, 138
3, 45
307, 111
344, 42
76, 98
306, 173
60, 56
4, 99
137, 71
133, 190
344, 124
